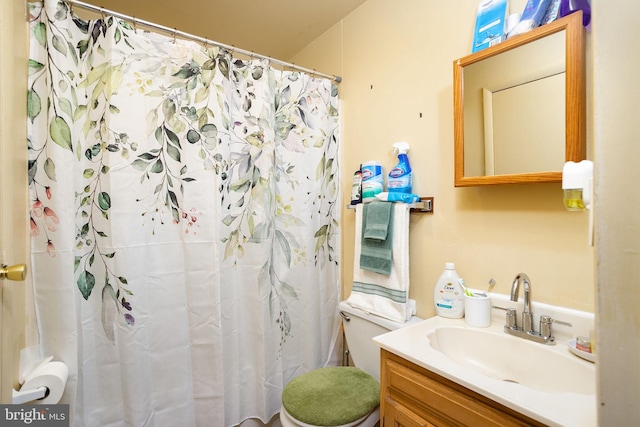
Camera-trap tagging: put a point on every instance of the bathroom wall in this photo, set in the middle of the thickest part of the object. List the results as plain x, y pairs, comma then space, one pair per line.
397, 68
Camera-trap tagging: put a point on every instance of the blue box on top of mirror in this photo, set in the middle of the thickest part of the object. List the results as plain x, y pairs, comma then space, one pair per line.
490, 24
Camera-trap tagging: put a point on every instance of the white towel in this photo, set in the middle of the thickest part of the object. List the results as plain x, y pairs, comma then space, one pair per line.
379, 294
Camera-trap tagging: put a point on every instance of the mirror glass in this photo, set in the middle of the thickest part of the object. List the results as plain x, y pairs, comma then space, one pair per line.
518, 107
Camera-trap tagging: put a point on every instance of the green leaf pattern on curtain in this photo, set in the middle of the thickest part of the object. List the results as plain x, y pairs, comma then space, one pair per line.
258, 143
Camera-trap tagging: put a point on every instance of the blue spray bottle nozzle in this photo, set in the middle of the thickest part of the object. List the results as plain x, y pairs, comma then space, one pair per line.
400, 148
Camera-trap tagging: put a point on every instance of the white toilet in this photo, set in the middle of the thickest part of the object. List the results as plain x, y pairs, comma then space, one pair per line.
363, 379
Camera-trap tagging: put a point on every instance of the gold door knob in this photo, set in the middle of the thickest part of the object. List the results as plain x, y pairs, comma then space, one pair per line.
15, 272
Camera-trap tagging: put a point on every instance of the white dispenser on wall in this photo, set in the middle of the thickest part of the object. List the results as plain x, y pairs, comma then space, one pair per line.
577, 189
448, 295
577, 185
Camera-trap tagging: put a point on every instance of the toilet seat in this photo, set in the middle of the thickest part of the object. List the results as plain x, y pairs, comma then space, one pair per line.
368, 420
334, 396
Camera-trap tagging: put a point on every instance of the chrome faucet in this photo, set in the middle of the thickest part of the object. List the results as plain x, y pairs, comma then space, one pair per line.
527, 315
526, 331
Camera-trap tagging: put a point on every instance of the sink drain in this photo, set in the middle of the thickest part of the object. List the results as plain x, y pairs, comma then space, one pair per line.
507, 380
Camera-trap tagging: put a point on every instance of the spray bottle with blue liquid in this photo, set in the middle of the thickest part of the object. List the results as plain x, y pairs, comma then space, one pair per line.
399, 183
400, 177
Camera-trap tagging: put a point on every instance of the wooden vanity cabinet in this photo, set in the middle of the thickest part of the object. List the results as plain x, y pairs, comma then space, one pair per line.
412, 396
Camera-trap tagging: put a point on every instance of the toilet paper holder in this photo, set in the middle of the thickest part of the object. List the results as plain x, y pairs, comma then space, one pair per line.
45, 383
19, 397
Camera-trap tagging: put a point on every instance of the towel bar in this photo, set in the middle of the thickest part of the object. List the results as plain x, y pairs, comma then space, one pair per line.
425, 205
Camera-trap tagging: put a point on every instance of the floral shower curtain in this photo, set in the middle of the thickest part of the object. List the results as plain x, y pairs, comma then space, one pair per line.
184, 223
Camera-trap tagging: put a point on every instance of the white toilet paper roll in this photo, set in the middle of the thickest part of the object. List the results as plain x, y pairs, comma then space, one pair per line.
53, 376
30, 360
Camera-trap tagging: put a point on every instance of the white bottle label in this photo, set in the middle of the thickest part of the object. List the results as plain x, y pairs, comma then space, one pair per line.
449, 300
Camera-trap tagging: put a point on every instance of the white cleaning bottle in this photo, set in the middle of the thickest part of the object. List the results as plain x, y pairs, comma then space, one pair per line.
401, 176
448, 295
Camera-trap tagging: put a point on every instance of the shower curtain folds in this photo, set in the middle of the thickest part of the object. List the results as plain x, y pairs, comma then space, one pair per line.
184, 222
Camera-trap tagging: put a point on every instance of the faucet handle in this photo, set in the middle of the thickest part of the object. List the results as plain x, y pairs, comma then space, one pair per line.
511, 318
548, 319
511, 321
545, 325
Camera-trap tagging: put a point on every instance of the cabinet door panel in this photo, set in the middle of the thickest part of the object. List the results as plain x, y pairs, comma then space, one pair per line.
397, 415
414, 396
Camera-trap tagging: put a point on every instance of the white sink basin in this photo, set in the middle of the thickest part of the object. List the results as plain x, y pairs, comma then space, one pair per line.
545, 382
514, 359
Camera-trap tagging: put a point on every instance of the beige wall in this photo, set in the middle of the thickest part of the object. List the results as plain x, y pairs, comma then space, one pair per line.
397, 66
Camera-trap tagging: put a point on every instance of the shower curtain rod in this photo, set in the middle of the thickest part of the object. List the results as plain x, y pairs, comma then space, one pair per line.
174, 32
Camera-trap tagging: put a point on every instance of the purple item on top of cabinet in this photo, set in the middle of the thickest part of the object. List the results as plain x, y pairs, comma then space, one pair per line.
569, 6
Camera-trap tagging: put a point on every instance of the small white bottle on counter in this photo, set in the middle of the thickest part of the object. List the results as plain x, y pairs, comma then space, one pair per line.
448, 295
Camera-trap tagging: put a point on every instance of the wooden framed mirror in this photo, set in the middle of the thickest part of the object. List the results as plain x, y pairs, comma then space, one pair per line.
520, 107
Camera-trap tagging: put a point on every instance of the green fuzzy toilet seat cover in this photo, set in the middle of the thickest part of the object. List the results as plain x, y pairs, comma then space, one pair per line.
331, 396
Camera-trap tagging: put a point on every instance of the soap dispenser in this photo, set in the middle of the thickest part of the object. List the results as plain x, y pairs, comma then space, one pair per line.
448, 295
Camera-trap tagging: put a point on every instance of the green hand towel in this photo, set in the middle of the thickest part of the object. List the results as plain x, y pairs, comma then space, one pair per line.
377, 224
376, 255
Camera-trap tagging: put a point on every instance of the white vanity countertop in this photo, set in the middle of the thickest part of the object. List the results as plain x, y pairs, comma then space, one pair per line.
552, 408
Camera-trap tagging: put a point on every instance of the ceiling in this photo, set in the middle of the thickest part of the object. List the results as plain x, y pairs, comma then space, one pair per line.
275, 28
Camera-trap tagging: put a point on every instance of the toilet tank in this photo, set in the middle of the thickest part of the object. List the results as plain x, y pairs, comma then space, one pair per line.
359, 330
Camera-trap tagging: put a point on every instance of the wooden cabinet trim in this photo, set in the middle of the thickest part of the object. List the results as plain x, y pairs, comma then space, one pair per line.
435, 399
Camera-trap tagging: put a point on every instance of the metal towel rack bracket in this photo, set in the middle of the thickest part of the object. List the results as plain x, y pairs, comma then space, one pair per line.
425, 205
